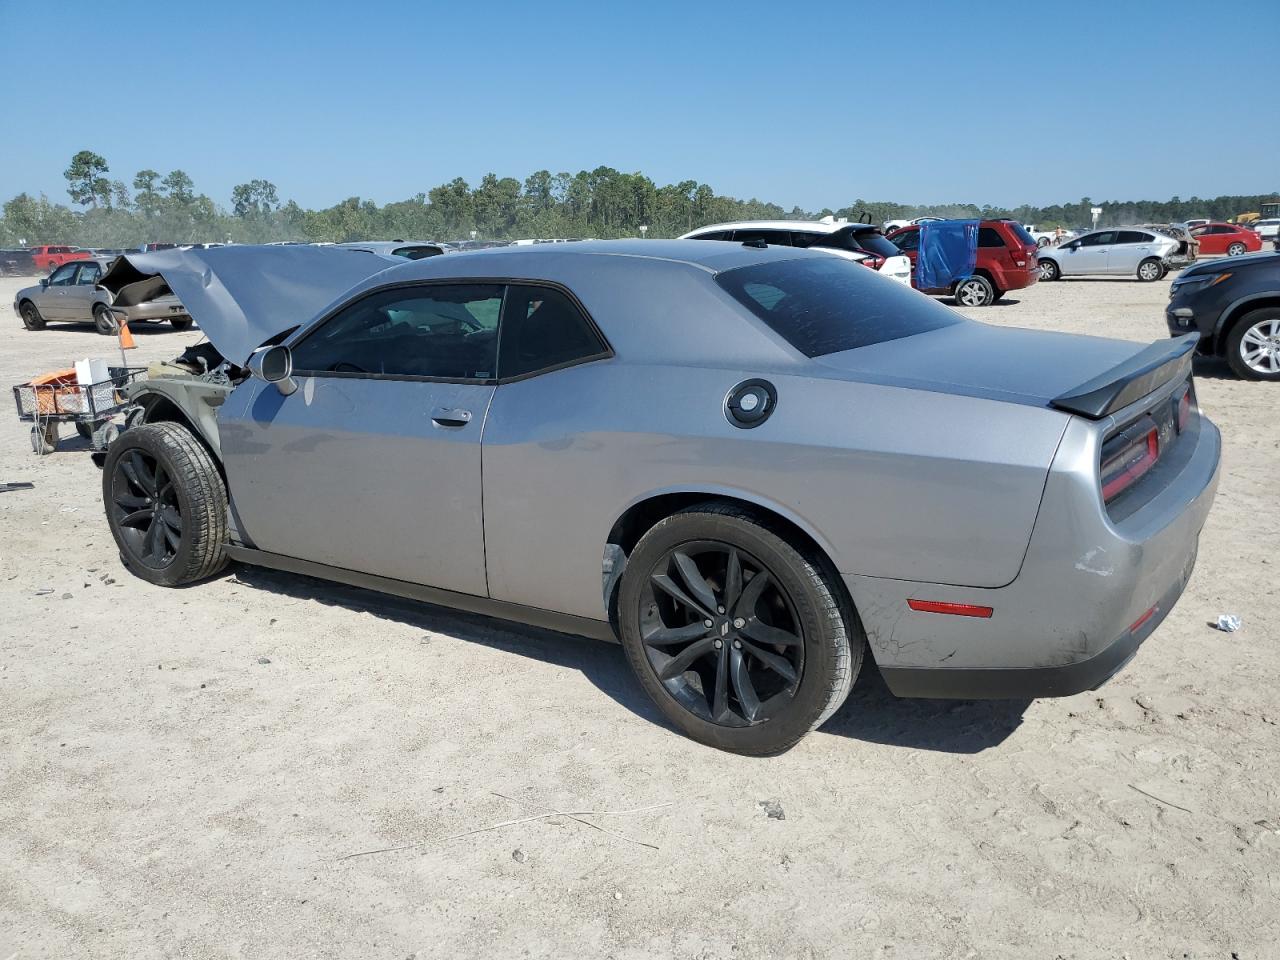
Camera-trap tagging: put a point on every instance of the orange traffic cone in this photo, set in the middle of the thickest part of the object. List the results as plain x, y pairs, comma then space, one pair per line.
126, 338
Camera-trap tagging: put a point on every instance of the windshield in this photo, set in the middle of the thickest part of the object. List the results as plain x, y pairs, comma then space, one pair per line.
827, 305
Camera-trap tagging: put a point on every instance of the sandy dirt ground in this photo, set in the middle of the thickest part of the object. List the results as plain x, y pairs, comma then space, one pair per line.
185, 773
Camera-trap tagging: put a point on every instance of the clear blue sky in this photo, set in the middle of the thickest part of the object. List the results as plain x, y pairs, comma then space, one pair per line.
799, 103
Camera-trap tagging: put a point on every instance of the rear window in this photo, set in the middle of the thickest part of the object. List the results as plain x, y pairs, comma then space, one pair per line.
827, 305
990, 237
1020, 232
874, 242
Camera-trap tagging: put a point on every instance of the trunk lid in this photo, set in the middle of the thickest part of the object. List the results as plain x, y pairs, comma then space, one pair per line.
1000, 363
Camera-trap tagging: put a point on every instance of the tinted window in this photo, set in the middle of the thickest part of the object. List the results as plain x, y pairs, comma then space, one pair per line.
542, 328
1022, 233
1098, 239
713, 235
89, 273
779, 238
449, 331
1134, 236
1199, 231
1222, 228
825, 305
873, 241
799, 239
989, 237
63, 276
906, 240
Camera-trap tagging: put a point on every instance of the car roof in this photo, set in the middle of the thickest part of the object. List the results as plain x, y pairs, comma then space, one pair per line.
810, 226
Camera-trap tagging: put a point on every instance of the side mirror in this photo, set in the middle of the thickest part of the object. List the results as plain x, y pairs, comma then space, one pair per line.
274, 365
44, 281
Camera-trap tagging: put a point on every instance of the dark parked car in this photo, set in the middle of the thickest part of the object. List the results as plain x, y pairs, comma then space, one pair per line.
1235, 306
17, 263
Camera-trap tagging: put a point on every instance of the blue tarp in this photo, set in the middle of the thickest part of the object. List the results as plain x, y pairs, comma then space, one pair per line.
948, 252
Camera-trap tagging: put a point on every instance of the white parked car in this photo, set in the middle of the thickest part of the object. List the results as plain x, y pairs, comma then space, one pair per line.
892, 225
1048, 236
860, 242
1267, 229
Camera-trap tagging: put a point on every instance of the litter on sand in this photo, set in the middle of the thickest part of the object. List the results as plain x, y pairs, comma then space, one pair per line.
1229, 622
16, 485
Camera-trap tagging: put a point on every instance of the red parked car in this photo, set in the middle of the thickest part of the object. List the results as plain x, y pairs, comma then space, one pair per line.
1226, 238
1006, 261
51, 257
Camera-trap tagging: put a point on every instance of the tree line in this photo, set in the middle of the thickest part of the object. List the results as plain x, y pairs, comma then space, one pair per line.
603, 202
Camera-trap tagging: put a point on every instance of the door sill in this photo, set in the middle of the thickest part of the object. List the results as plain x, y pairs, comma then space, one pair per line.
486, 606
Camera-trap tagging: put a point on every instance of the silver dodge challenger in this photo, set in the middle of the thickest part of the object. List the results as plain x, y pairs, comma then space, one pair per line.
754, 466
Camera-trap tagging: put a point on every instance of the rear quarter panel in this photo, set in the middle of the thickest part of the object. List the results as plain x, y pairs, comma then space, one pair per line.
890, 482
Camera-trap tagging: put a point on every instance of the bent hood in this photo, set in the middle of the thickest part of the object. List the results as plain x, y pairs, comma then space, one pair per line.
996, 363
242, 296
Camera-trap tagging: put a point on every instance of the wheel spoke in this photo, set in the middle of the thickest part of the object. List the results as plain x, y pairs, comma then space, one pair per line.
720, 704
155, 541
684, 659
171, 517
668, 586
742, 686
694, 580
732, 579
135, 518
746, 605
171, 538
779, 665
666, 635
138, 473
129, 502
762, 632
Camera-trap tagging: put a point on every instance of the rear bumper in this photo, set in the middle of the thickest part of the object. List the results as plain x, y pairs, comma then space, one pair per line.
1078, 609
150, 311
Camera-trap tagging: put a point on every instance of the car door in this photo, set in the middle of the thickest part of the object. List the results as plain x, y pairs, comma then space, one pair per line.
1211, 239
78, 299
1088, 255
52, 301
373, 464
1129, 250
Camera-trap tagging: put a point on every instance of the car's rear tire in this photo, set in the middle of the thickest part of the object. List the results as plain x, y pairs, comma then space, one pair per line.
166, 504
777, 660
104, 321
180, 323
1049, 270
1253, 345
975, 291
31, 318
1150, 270
1236, 249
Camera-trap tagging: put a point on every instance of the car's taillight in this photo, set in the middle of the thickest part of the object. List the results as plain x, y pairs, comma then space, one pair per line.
873, 261
1127, 457
1182, 409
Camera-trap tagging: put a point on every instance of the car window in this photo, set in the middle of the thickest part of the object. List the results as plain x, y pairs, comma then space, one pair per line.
416, 252
89, 273
804, 239
63, 276
713, 235
778, 238
870, 241
543, 328
1098, 239
823, 305
1222, 228
906, 240
1022, 233
445, 331
989, 237
1134, 236
1199, 231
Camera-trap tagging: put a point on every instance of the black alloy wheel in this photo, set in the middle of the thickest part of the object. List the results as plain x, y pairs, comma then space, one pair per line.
166, 502
721, 634
145, 508
743, 636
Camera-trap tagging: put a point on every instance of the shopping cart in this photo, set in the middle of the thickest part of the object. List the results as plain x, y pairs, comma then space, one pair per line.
58, 397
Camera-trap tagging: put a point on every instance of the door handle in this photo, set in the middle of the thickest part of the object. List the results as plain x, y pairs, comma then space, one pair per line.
449, 417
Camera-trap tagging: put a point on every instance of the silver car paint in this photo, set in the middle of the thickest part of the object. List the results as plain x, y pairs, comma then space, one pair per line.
1120, 259
915, 479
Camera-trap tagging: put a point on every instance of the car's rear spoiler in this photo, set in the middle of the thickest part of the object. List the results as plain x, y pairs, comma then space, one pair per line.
1145, 371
